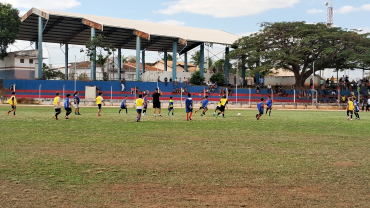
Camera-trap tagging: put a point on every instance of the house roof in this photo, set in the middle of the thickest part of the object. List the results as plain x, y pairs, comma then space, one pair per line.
147, 67
73, 28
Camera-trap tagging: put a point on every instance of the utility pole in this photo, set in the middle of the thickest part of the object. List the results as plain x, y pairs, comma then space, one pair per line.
330, 13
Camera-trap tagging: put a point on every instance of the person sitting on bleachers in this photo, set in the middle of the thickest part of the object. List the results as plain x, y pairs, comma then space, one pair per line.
174, 91
284, 93
221, 92
185, 91
132, 90
178, 91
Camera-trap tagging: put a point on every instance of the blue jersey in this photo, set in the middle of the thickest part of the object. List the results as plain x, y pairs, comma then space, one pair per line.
188, 102
357, 106
204, 103
66, 103
145, 102
260, 106
123, 103
76, 99
269, 103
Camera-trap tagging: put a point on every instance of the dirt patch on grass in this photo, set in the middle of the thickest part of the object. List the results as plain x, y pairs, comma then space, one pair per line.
345, 164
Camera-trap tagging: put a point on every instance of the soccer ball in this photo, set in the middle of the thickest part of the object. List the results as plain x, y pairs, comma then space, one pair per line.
239, 114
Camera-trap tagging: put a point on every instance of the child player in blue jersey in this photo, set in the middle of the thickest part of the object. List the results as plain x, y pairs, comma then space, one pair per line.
170, 107
357, 109
204, 104
189, 107
260, 109
269, 105
67, 106
145, 103
76, 102
123, 105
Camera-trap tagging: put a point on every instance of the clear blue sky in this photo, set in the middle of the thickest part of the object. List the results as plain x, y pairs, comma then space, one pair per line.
235, 16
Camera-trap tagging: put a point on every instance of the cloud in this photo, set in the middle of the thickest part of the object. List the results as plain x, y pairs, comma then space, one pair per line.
366, 7
172, 22
45, 4
364, 30
347, 9
315, 11
222, 8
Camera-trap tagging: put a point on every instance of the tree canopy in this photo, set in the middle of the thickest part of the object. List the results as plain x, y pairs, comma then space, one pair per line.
9, 27
298, 47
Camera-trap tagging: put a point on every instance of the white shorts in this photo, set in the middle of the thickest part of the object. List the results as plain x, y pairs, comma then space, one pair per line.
76, 105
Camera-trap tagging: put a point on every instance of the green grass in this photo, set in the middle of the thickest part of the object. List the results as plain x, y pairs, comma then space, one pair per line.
290, 159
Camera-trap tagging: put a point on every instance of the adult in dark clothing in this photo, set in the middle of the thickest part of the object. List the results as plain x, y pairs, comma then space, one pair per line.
165, 81
157, 102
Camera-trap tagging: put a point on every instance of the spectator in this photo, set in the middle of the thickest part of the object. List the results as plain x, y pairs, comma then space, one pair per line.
292, 87
185, 91
311, 83
276, 87
235, 80
327, 82
132, 90
123, 81
241, 81
321, 82
176, 81
262, 80
185, 81
258, 89
97, 90
174, 91
159, 79
171, 80
165, 81
148, 92
11, 87
269, 88
221, 92
280, 87
332, 80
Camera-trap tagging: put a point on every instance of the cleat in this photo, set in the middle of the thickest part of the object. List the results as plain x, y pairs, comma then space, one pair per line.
214, 114
67, 117
79, 114
351, 119
201, 114
119, 113
8, 113
347, 118
256, 115
99, 115
55, 118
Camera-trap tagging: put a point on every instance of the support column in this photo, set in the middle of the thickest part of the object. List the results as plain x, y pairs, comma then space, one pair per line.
257, 74
227, 65
165, 61
119, 60
66, 62
40, 64
138, 46
186, 61
36, 45
93, 64
174, 60
243, 67
201, 65
143, 61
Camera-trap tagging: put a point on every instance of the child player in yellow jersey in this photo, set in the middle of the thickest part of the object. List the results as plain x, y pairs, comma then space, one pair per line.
139, 107
99, 101
13, 103
57, 106
223, 104
170, 107
350, 108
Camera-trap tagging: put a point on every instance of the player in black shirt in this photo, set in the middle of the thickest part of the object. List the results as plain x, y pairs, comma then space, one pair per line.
156, 102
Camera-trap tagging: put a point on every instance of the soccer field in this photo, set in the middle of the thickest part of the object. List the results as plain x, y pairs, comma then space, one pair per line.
288, 159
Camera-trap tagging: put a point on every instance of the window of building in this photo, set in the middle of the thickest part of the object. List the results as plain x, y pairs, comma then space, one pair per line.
31, 61
22, 60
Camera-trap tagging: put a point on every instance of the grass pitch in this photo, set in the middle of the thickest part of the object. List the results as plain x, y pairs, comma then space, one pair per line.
290, 159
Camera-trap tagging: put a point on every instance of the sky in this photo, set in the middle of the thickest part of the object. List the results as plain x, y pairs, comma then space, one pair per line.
241, 17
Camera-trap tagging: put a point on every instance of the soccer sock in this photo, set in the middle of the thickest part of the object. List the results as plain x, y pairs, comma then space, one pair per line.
348, 113
172, 112
351, 116
14, 112
168, 113
259, 116
119, 111
191, 114
223, 115
126, 110
187, 116
269, 112
218, 113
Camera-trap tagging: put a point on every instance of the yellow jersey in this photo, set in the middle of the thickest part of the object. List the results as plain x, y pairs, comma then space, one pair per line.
223, 101
350, 106
201, 104
11, 102
56, 102
139, 103
99, 99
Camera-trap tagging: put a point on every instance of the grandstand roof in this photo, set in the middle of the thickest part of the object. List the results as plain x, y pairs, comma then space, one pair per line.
72, 28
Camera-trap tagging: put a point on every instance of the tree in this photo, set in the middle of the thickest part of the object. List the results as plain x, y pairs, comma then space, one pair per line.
218, 77
131, 59
101, 60
195, 58
9, 27
169, 57
196, 78
48, 73
124, 59
219, 65
297, 46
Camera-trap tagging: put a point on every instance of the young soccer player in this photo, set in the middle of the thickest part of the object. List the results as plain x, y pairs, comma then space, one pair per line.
189, 107
223, 104
67, 106
76, 102
356, 108
269, 105
260, 107
99, 101
123, 105
217, 108
170, 106
200, 106
350, 108
13, 103
139, 107
204, 104
145, 103
57, 106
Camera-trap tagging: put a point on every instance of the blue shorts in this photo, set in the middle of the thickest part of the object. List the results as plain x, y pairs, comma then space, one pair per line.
138, 110
189, 110
261, 112
123, 107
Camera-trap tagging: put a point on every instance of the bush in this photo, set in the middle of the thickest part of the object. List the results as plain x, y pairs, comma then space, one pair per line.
196, 78
219, 78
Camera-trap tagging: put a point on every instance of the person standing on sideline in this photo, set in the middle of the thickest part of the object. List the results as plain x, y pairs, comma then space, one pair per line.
67, 106
13, 103
123, 82
189, 107
165, 81
57, 106
156, 102
139, 107
262, 80
76, 102
269, 88
99, 101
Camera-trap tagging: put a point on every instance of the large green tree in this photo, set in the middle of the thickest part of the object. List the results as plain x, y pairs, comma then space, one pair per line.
298, 47
9, 27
